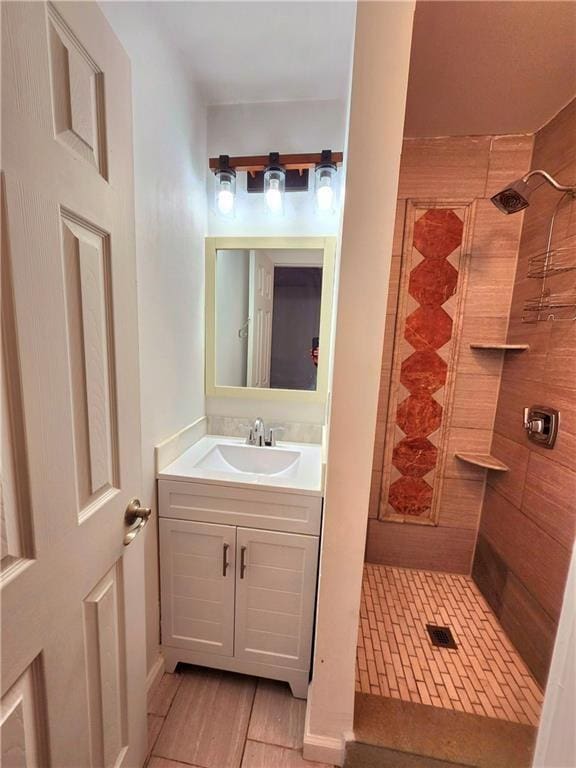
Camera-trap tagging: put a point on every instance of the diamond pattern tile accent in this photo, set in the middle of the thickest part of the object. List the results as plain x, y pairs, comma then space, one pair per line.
432, 280
410, 496
437, 233
428, 328
423, 371
414, 456
419, 415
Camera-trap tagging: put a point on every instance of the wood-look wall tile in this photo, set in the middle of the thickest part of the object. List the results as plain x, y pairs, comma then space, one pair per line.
481, 330
529, 365
393, 289
537, 216
461, 503
448, 168
495, 234
475, 399
510, 158
537, 560
490, 286
277, 717
510, 484
375, 488
208, 720
560, 368
554, 145
517, 393
490, 572
378, 457
528, 626
550, 498
464, 440
399, 220
427, 547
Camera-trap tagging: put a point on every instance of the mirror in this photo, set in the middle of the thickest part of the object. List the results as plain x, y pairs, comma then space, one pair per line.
268, 302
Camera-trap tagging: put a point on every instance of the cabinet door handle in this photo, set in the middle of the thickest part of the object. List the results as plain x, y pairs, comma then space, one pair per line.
225, 562
242, 561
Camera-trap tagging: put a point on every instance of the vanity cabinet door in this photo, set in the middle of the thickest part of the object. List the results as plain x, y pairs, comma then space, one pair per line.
275, 596
197, 581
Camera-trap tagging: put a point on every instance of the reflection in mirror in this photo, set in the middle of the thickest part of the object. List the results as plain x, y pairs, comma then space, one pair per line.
268, 317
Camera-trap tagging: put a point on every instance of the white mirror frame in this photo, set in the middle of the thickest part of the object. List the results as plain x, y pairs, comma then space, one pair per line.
328, 247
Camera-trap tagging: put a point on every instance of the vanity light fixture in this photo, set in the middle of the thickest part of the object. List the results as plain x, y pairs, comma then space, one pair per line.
276, 174
324, 175
225, 187
274, 184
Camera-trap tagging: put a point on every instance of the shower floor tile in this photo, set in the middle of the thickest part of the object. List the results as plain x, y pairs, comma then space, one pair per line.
395, 658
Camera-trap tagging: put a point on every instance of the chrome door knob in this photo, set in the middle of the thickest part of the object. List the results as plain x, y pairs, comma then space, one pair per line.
135, 519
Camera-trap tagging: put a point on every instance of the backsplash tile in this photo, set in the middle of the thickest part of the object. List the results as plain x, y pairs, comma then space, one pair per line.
294, 431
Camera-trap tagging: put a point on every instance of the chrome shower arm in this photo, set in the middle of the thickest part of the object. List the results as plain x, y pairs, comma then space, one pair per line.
560, 187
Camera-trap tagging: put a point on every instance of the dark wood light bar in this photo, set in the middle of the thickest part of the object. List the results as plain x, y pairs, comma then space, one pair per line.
257, 163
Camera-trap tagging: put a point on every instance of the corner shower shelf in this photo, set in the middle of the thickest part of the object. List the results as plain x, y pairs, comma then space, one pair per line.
502, 347
483, 460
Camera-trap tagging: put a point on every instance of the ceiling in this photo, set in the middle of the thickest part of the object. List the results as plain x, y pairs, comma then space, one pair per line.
489, 67
239, 52
481, 67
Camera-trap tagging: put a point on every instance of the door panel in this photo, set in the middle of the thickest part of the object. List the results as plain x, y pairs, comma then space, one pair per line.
261, 300
275, 595
72, 595
197, 586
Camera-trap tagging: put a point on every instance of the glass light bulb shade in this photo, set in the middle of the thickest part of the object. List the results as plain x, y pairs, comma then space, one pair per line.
225, 193
274, 187
325, 188
325, 198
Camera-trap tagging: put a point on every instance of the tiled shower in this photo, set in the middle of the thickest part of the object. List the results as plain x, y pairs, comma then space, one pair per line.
481, 552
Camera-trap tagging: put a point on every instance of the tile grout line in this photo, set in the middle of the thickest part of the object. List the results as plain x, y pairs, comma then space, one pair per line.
248, 724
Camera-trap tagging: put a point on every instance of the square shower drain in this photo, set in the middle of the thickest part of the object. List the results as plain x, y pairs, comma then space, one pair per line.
441, 636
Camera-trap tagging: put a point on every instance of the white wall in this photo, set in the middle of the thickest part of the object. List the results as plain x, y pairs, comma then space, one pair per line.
379, 85
232, 282
170, 183
285, 127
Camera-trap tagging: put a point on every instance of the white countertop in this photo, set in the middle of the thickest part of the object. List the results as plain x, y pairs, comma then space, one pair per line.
304, 478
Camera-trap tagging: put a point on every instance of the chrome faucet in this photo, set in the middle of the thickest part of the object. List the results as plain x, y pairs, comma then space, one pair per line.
257, 434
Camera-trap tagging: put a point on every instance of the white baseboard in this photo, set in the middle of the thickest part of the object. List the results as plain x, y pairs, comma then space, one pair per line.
154, 673
322, 749
169, 450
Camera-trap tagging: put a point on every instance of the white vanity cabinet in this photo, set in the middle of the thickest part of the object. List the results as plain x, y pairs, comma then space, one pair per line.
238, 585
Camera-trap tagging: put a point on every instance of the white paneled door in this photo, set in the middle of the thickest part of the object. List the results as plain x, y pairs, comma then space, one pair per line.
73, 649
260, 305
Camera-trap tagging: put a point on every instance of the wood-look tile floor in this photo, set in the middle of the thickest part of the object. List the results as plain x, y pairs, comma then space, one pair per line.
395, 657
203, 718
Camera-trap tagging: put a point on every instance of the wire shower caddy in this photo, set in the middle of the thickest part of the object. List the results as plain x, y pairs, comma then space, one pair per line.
549, 305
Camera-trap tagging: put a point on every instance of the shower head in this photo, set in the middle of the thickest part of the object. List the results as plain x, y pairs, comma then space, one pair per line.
516, 196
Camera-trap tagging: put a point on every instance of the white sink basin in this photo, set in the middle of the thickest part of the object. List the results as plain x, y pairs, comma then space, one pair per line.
249, 459
295, 467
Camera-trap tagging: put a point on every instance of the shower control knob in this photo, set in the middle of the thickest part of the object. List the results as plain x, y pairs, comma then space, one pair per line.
541, 424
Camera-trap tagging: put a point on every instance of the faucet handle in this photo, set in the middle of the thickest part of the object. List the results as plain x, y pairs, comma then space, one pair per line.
248, 431
272, 439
